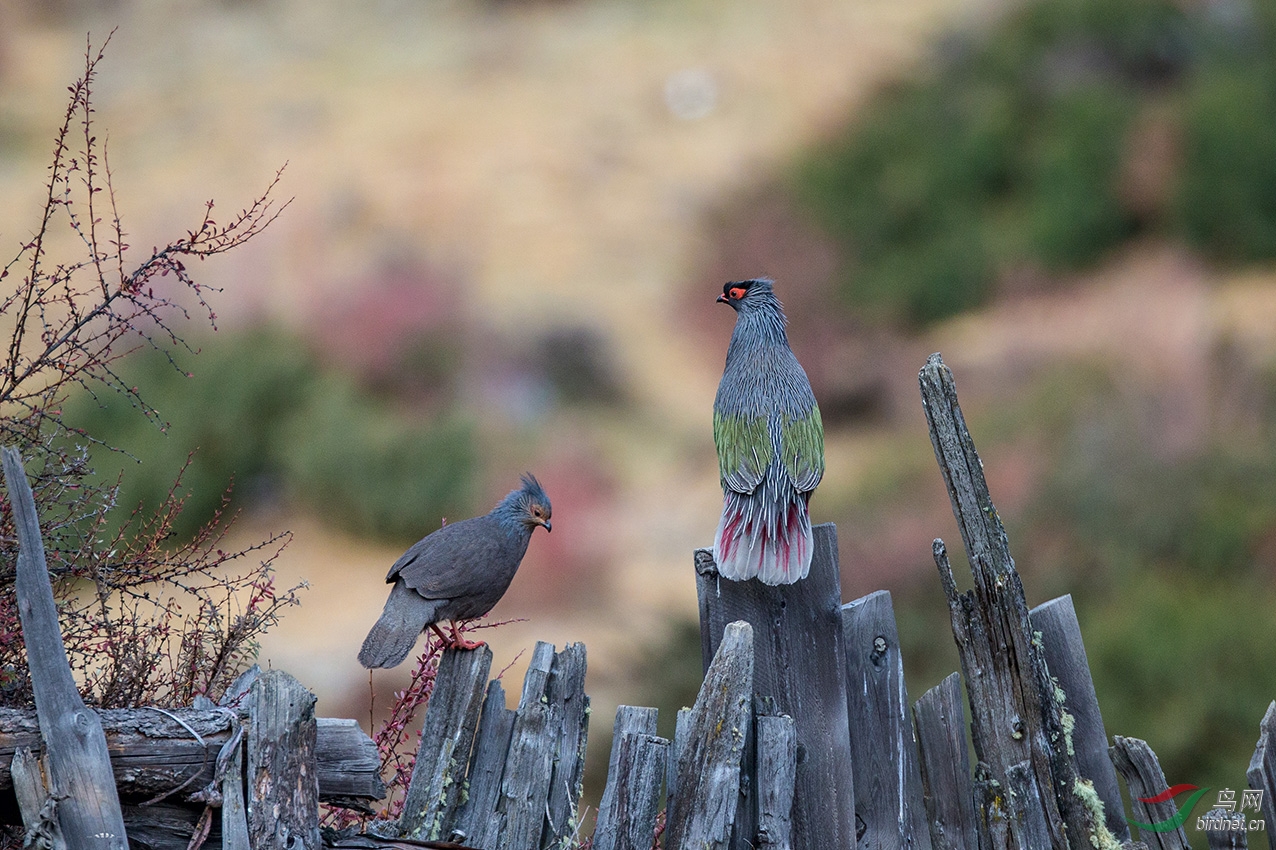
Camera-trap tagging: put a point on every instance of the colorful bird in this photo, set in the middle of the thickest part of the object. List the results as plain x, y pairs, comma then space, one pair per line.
456, 573
770, 442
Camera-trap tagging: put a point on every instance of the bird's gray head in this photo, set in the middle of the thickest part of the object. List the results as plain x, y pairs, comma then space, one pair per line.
747, 296
529, 504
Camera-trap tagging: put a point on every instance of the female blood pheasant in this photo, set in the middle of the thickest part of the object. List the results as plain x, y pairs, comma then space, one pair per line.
770, 442
456, 573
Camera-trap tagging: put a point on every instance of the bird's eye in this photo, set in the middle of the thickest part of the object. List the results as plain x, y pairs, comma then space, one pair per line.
736, 292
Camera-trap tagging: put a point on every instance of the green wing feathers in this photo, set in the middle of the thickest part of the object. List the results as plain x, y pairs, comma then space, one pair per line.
802, 449
744, 449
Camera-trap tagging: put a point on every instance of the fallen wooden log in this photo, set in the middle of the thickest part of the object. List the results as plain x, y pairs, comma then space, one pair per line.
155, 752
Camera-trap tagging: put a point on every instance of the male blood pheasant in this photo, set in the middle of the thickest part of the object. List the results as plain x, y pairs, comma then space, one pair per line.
770, 442
456, 573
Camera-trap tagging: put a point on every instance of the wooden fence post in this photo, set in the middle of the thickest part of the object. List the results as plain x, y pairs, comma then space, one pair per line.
1064, 650
1144, 778
88, 810
776, 779
800, 667
1261, 774
566, 692
1029, 797
447, 734
888, 786
283, 777
945, 766
635, 773
491, 744
702, 815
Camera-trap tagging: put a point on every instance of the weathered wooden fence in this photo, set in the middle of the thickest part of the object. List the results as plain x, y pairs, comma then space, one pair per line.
802, 736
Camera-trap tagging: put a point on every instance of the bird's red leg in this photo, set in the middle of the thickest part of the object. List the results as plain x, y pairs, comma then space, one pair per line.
461, 643
446, 640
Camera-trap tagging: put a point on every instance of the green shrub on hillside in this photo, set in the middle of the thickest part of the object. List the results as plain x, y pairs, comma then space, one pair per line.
1015, 150
257, 410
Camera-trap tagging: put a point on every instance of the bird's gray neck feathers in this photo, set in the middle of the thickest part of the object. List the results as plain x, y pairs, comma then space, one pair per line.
758, 323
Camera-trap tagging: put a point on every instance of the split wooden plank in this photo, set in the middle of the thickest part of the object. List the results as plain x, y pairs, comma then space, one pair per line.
945, 766
703, 813
1064, 650
888, 785
447, 735
565, 691
635, 774
283, 778
491, 745
1261, 774
520, 809
800, 667
1138, 765
88, 808
776, 778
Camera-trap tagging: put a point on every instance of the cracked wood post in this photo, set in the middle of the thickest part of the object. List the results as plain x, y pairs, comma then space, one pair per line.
1261, 774
635, 774
447, 734
945, 766
776, 738
800, 670
888, 785
283, 777
79, 764
1144, 778
491, 744
566, 691
702, 815
1056, 620
1026, 781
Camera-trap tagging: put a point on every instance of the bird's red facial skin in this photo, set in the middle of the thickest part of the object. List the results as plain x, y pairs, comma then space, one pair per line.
736, 293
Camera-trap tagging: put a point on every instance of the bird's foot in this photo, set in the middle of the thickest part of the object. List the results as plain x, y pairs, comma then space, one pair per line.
459, 642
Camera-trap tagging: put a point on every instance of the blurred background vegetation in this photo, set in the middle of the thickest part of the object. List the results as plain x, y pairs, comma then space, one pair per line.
511, 222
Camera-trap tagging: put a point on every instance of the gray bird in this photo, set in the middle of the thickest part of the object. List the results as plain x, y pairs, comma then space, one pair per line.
770, 442
456, 573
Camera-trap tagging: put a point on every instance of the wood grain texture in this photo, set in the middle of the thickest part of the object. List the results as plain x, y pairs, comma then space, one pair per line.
888, 785
702, 815
945, 766
447, 736
635, 776
282, 774
1143, 776
79, 764
1261, 774
487, 765
800, 669
776, 736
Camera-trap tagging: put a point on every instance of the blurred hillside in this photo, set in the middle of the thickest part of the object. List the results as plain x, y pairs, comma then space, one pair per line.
511, 220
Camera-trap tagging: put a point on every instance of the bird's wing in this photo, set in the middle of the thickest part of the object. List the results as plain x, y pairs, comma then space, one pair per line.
453, 561
802, 448
744, 449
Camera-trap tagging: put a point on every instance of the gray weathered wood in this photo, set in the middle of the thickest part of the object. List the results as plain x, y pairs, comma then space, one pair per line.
1261, 774
153, 751
634, 721
945, 766
35, 803
800, 666
447, 735
234, 806
566, 692
1138, 765
1015, 719
283, 778
79, 765
776, 778
682, 728
1230, 834
888, 785
703, 813
520, 808
1064, 651
491, 745
635, 773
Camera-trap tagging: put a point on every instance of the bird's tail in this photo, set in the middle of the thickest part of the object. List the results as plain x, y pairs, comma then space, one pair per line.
392, 637
766, 539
